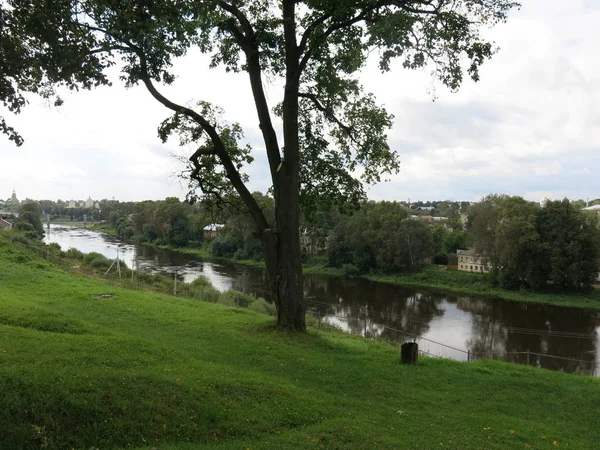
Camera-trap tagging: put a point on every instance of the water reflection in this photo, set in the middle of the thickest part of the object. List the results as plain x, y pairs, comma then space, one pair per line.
469, 327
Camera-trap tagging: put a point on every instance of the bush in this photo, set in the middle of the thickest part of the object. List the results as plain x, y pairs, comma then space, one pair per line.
54, 249
226, 247
226, 300
89, 257
74, 253
239, 298
101, 262
20, 239
351, 270
441, 259
261, 306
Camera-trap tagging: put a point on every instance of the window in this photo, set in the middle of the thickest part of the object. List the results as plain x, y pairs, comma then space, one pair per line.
471, 267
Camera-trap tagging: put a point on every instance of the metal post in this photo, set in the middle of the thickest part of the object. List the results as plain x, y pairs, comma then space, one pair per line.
132, 264
175, 283
118, 264
468, 355
527, 356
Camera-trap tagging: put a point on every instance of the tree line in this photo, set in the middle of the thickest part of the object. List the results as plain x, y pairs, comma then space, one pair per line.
527, 246
532, 246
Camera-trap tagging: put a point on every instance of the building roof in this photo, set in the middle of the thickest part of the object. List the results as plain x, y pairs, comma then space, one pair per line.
592, 208
213, 227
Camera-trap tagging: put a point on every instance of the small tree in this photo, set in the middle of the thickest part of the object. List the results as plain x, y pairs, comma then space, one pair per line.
30, 219
317, 48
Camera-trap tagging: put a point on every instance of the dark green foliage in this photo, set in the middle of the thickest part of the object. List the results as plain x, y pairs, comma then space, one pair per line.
30, 219
440, 259
74, 253
536, 247
125, 228
570, 245
226, 246
380, 236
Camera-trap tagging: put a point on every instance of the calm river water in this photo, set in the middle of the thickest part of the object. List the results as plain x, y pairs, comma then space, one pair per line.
556, 338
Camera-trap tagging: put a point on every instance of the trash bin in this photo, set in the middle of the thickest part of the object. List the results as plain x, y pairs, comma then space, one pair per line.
409, 353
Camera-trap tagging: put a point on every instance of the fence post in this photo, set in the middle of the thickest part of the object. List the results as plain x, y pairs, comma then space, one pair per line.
175, 283
527, 356
468, 355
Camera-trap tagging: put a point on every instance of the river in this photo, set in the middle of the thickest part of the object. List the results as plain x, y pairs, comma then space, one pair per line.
469, 327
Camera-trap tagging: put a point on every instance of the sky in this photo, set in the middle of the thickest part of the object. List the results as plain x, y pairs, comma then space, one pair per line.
529, 127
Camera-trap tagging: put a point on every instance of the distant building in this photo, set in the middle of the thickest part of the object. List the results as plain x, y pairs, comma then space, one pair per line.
13, 198
212, 231
89, 203
5, 225
594, 208
469, 261
72, 204
97, 205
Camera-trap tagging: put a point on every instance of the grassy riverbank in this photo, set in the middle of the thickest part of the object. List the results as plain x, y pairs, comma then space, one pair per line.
436, 277
141, 370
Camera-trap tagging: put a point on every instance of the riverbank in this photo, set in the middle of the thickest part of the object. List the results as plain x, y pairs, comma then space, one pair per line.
141, 370
433, 277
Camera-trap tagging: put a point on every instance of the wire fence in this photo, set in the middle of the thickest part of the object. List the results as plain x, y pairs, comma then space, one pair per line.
438, 349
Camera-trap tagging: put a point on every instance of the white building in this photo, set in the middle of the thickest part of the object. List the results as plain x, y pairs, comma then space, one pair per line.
469, 261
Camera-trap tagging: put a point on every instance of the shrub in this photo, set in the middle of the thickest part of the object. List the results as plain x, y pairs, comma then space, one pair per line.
74, 253
261, 306
89, 257
20, 239
100, 262
226, 300
226, 247
351, 270
239, 298
441, 259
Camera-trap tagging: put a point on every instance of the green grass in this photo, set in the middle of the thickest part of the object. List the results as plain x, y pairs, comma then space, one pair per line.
145, 370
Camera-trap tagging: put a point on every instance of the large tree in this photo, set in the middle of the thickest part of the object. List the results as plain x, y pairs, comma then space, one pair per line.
331, 129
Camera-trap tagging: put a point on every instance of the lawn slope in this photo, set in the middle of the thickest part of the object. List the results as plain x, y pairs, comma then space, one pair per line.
143, 370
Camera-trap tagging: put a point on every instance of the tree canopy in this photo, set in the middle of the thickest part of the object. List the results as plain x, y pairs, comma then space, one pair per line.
333, 135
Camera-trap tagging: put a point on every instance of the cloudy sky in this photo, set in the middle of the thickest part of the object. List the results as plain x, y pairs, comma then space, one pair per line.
530, 127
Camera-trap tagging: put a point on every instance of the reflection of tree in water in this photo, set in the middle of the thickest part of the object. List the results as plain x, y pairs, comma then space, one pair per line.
488, 336
514, 327
372, 309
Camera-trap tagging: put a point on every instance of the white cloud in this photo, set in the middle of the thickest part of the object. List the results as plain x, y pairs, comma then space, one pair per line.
530, 126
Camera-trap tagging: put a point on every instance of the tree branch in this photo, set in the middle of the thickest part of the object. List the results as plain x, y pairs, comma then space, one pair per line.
329, 114
219, 148
352, 21
247, 41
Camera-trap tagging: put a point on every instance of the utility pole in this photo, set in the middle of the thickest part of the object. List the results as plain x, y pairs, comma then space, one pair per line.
118, 264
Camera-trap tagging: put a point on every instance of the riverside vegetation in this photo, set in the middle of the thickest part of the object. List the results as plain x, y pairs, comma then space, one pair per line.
528, 245
140, 369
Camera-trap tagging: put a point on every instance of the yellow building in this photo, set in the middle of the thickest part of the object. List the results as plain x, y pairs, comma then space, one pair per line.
469, 261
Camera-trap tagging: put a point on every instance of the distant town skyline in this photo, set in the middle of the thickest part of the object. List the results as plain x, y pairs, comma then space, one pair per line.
530, 127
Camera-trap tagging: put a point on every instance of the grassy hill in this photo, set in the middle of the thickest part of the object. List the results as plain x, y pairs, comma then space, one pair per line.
142, 370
